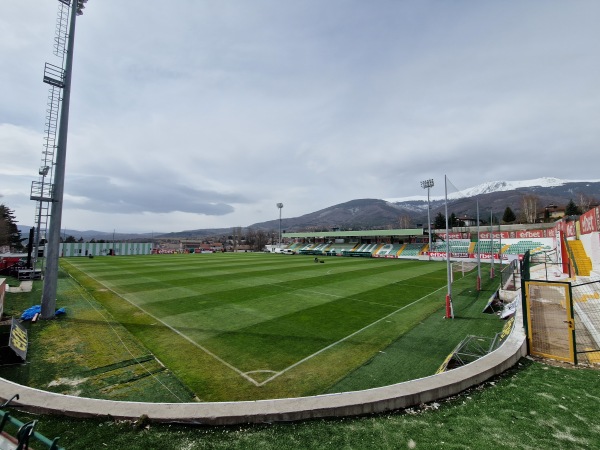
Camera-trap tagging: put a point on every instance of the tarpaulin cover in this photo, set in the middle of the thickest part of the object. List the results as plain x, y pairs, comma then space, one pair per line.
29, 313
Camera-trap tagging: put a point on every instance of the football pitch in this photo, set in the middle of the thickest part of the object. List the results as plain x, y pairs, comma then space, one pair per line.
252, 325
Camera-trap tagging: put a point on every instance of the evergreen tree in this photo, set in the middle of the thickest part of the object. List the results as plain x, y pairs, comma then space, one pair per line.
509, 215
453, 222
572, 209
439, 223
9, 232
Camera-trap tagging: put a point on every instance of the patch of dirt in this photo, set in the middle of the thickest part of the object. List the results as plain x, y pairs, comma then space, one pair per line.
67, 382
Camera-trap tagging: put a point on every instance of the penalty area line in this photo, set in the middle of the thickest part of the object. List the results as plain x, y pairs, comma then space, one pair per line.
347, 337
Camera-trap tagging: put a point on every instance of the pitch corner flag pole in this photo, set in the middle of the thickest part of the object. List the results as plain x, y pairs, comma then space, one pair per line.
449, 309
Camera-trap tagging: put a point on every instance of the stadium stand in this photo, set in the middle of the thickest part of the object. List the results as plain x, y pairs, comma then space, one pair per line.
456, 246
486, 247
519, 248
338, 249
583, 264
411, 250
389, 249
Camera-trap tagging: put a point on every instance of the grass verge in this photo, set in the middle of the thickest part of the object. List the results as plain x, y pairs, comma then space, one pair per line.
87, 352
533, 405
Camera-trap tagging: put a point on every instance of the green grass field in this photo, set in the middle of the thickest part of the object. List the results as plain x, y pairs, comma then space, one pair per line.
251, 326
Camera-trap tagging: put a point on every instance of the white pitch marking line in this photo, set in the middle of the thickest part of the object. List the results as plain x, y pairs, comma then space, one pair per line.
204, 349
299, 293
347, 337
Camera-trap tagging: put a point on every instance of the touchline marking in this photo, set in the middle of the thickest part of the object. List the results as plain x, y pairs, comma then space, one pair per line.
299, 293
347, 337
86, 294
204, 349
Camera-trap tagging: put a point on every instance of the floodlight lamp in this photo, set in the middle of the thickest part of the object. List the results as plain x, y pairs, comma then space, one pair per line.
427, 183
44, 171
280, 205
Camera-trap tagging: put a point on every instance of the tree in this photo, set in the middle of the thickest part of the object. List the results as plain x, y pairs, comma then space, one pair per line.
572, 209
452, 221
70, 239
529, 209
404, 221
509, 215
439, 222
585, 203
9, 232
456, 221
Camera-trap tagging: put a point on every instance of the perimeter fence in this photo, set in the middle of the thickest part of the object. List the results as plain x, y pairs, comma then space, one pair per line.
586, 311
509, 276
562, 318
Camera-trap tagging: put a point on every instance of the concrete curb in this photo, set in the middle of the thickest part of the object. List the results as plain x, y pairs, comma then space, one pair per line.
25, 286
377, 400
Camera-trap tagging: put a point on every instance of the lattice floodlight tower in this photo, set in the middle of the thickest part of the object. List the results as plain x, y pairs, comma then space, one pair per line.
47, 192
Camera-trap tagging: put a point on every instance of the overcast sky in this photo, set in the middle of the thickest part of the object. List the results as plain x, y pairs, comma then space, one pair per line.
203, 113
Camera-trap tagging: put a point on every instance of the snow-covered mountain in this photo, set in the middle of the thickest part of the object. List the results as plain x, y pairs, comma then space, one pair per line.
498, 186
491, 187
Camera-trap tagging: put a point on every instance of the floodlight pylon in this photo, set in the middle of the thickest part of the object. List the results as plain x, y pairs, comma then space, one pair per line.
61, 80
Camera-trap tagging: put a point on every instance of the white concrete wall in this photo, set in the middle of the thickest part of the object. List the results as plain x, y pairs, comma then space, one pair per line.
387, 398
591, 243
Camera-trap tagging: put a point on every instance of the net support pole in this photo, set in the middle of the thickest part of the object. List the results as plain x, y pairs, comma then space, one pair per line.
478, 252
449, 310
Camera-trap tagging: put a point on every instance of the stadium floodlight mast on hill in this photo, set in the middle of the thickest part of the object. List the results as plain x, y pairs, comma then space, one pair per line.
279, 206
53, 237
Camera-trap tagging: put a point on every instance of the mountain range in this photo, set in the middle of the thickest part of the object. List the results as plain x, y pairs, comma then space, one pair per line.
408, 212
493, 198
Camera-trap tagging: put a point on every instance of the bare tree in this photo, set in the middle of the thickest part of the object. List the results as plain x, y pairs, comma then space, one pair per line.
529, 209
256, 238
404, 221
237, 237
585, 202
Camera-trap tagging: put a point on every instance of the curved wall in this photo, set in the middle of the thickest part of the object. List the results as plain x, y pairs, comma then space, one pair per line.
388, 398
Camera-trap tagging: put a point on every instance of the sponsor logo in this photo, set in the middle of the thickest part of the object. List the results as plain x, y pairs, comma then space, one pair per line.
588, 222
18, 339
532, 234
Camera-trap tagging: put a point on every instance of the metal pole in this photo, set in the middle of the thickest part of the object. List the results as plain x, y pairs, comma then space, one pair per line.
449, 309
280, 206
500, 244
429, 222
478, 252
53, 238
492, 245
428, 184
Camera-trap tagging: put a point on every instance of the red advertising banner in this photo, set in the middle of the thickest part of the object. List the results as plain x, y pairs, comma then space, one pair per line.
570, 229
521, 234
588, 222
497, 235
530, 234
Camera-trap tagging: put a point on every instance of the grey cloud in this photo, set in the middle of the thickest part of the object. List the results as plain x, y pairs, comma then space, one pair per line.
133, 197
